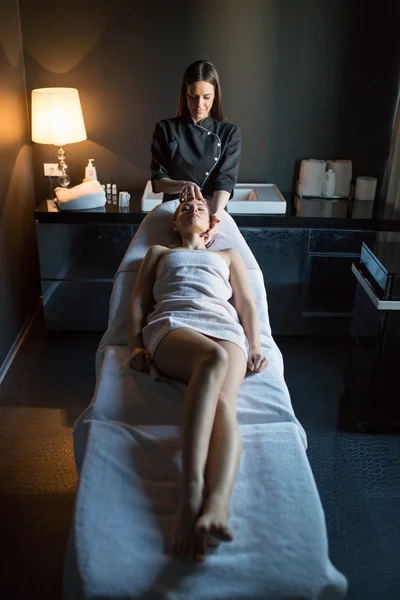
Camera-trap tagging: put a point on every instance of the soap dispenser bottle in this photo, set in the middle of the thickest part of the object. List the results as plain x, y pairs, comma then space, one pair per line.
328, 186
90, 171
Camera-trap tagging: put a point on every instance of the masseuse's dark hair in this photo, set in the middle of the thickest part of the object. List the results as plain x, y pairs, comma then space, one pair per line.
175, 215
201, 70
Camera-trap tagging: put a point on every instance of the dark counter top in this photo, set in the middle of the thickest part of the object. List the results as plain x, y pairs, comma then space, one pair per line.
47, 212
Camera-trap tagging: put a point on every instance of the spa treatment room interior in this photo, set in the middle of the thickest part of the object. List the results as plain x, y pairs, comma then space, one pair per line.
200, 300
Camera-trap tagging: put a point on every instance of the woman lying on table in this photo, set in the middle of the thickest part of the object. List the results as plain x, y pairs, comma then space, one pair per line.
181, 321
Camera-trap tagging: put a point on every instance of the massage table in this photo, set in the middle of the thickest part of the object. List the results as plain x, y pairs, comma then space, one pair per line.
127, 454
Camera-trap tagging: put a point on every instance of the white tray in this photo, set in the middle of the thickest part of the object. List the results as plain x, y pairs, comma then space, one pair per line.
248, 199
149, 199
256, 198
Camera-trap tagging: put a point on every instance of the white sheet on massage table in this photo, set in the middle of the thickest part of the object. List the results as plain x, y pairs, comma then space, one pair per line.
128, 492
125, 505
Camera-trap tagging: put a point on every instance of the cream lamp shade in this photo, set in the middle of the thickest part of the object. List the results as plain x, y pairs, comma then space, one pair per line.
57, 116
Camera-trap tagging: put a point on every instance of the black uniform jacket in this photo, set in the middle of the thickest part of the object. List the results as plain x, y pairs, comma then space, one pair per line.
207, 153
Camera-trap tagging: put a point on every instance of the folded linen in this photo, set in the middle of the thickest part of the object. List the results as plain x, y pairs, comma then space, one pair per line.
84, 196
344, 173
311, 177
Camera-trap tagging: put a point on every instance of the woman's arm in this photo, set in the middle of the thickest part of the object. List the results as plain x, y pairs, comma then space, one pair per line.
227, 170
219, 201
142, 296
243, 300
247, 311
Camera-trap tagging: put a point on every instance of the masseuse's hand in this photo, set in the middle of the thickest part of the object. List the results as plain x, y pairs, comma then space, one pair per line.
190, 190
140, 359
256, 361
209, 234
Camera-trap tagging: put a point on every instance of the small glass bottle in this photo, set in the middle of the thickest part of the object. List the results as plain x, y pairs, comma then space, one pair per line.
108, 192
114, 193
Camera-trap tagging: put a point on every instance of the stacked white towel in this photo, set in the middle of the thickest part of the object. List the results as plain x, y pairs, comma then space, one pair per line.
344, 172
84, 196
311, 177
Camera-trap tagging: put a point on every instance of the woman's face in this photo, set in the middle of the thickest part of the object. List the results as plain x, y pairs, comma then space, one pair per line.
200, 97
193, 216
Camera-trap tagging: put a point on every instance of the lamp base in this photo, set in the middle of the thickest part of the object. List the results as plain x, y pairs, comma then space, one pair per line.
64, 180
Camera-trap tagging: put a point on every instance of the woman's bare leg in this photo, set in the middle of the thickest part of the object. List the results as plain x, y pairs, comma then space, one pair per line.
202, 363
224, 452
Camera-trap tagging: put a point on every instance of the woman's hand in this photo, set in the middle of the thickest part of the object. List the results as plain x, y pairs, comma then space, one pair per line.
209, 234
140, 359
190, 190
256, 361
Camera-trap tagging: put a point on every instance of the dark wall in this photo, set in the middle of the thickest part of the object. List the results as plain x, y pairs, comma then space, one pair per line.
309, 78
19, 279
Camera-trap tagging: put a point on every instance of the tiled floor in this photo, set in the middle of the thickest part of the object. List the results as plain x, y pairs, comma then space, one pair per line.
51, 382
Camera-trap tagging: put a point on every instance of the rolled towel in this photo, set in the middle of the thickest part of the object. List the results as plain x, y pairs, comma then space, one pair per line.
84, 196
311, 177
344, 172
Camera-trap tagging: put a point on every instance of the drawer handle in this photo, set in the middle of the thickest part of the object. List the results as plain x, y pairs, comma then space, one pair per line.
379, 304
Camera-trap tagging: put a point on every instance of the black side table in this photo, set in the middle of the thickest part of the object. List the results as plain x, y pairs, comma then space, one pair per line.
371, 398
79, 254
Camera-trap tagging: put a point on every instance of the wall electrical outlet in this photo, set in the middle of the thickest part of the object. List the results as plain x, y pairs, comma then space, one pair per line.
51, 170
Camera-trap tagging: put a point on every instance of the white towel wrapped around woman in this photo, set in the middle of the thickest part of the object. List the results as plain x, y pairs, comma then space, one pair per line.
192, 290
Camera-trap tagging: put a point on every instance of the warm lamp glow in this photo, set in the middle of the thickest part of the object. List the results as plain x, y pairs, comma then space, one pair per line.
57, 119
57, 116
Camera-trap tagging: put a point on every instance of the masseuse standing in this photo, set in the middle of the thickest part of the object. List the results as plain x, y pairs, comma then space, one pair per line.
197, 153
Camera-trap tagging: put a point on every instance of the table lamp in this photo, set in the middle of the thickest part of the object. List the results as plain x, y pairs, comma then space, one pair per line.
57, 119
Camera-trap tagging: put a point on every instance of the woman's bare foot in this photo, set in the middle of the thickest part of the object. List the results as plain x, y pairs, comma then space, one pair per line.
185, 541
213, 523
